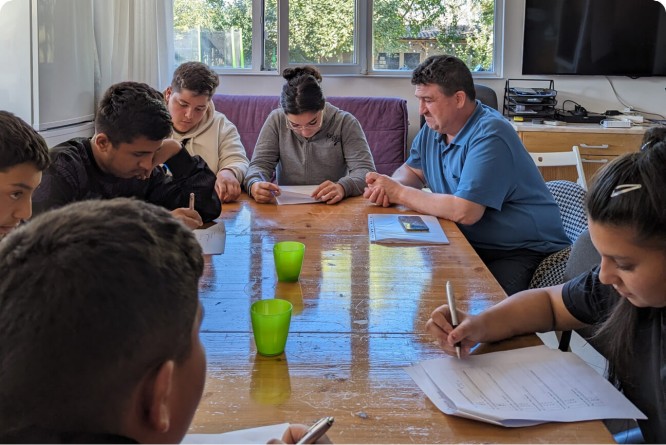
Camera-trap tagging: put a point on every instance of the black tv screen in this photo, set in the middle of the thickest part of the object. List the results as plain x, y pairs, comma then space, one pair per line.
595, 37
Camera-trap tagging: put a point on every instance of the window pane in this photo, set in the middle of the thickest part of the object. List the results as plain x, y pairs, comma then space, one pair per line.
270, 35
321, 31
216, 32
406, 32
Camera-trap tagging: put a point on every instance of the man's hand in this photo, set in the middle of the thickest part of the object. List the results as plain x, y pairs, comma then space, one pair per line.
329, 192
382, 190
227, 186
264, 192
168, 150
190, 218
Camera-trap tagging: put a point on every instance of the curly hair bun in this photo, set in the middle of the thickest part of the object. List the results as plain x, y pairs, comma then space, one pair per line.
296, 72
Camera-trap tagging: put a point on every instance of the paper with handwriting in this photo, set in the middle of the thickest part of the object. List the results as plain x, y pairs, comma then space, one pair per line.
212, 239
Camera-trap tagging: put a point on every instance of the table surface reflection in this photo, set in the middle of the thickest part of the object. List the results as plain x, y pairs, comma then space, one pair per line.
358, 319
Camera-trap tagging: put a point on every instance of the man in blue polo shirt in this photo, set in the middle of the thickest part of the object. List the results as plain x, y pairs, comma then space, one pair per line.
480, 174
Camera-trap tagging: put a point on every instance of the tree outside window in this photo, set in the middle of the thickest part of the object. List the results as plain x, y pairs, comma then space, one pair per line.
324, 32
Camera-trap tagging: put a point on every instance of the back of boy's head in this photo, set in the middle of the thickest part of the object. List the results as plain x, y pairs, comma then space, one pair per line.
196, 77
641, 208
20, 144
94, 297
130, 110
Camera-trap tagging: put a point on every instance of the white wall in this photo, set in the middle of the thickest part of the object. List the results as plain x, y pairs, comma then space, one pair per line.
592, 92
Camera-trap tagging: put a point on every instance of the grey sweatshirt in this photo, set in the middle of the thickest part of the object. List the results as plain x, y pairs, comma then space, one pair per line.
339, 152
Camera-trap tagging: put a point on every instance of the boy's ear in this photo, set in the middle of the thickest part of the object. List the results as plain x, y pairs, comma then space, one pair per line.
101, 140
158, 398
167, 93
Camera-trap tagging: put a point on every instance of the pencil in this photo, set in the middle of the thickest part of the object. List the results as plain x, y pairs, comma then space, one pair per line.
454, 312
191, 201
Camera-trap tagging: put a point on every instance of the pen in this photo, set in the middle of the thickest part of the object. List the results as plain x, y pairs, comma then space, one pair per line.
317, 430
191, 201
454, 312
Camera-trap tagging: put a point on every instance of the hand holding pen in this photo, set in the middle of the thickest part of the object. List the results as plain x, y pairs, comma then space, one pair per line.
317, 430
188, 215
314, 434
446, 319
264, 191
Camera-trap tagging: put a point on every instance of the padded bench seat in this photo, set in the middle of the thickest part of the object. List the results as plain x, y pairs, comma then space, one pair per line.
383, 119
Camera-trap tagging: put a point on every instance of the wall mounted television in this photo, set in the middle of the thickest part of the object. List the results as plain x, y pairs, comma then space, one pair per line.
595, 37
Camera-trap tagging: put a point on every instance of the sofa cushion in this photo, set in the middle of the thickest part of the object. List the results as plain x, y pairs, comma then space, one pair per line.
383, 119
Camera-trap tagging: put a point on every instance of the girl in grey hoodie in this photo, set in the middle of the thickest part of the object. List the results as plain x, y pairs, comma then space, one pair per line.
309, 142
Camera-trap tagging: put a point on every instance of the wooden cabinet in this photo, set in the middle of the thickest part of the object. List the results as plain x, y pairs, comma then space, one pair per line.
598, 145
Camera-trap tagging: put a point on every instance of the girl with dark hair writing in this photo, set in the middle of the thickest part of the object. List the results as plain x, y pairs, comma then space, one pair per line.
308, 141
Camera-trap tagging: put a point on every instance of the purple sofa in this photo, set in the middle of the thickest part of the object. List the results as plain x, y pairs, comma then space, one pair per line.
383, 119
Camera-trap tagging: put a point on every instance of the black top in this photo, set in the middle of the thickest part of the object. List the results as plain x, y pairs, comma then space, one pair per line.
75, 176
644, 383
40, 435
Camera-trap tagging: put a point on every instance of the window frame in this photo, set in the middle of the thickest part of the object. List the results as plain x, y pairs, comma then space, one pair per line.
364, 64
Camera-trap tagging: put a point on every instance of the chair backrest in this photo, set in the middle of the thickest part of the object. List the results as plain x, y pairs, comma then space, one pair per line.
562, 159
570, 198
486, 95
583, 256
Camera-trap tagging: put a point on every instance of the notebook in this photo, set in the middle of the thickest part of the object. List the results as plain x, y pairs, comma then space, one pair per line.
384, 228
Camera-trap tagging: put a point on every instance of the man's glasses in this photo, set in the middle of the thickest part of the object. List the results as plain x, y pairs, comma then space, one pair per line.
313, 124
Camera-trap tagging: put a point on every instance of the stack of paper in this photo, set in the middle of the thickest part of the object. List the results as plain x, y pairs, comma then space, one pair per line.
521, 387
385, 228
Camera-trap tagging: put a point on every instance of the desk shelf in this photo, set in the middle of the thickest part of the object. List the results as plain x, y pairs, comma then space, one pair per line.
537, 100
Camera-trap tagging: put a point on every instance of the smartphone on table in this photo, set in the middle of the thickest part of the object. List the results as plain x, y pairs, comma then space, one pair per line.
413, 223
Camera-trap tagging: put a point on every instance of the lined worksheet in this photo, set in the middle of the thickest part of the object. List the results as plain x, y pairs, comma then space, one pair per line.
522, 387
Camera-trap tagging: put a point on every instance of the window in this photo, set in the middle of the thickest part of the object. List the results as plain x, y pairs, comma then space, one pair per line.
340, 36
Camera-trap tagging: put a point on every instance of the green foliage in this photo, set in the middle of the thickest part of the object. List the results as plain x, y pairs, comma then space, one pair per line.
322, 31
472, 42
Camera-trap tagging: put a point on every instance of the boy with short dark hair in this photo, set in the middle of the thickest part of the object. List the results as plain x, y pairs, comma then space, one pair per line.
100, 316
23, 157
124, 157
99, 327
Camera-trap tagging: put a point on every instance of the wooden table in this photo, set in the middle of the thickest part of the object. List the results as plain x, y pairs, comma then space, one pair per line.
358, 319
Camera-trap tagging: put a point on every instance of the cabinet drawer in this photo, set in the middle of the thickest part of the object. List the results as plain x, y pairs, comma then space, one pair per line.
593, 163
589, 143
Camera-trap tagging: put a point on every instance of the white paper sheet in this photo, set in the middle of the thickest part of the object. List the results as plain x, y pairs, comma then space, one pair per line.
384, 228
212, 239
296, 194
260, 434
521, 387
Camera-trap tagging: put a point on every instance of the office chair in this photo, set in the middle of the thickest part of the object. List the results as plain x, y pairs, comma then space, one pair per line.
562, 159
570, 198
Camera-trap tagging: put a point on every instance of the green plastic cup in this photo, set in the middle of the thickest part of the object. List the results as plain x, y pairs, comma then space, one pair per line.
270, 324
288, 256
